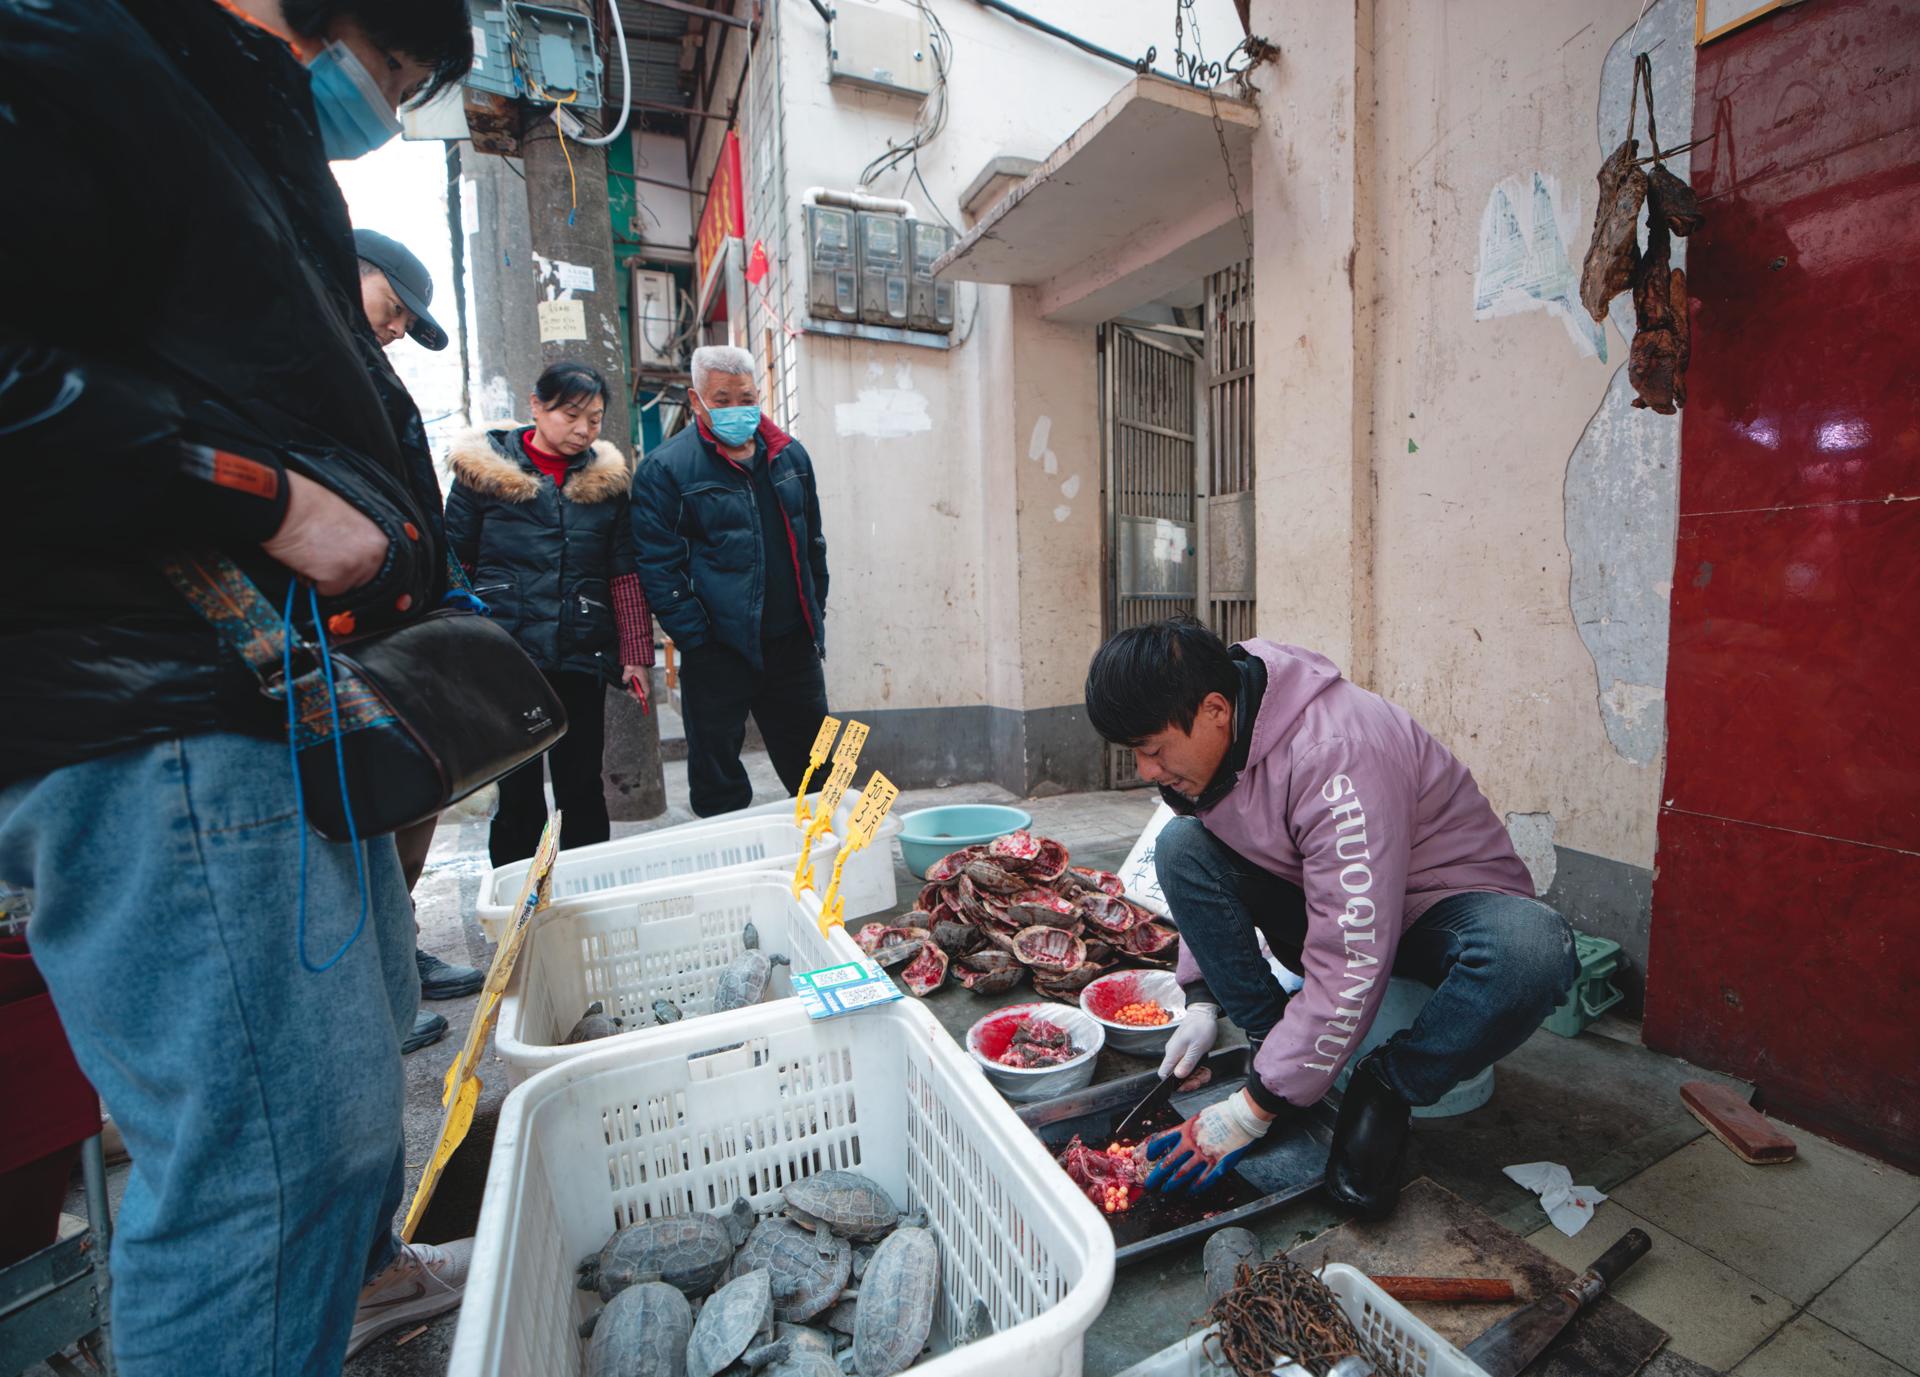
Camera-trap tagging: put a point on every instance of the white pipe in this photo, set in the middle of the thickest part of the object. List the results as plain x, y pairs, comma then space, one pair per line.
857, 200
626, 83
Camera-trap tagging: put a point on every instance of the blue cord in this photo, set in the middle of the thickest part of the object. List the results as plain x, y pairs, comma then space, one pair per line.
340, 760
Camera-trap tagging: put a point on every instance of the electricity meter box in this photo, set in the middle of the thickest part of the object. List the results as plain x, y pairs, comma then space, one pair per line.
534, 52
655, 318
833, 270
930, 301
883, 268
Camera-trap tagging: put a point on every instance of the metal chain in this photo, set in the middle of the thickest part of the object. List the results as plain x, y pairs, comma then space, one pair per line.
1219, 131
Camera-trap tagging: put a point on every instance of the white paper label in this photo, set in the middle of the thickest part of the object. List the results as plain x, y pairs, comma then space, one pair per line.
562, 320
575, 277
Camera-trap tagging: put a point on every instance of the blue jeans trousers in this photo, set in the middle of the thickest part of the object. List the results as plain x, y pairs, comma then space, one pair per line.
261, 1103
1498, 964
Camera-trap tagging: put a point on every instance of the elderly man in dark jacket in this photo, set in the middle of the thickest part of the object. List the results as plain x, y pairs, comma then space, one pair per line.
726, 531
218, 392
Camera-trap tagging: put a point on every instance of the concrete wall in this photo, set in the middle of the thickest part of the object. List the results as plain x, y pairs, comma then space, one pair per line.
961, 488
1455, 500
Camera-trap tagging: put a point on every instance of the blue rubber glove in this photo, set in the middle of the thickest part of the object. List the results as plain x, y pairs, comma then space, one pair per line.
1201, 1151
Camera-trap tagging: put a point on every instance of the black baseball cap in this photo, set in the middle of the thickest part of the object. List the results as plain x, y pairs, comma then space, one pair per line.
410, 281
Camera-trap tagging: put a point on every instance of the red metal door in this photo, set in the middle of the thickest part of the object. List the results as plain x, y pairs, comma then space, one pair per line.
1786, 907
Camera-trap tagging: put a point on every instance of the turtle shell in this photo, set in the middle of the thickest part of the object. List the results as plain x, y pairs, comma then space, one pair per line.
948, 867
1048, 865
932, 897
988, 961
897, 1300
1050, 951
956, 938
1152, 939
990, 877
845, 1202
729, 1322
1101, 881
643, 1332
916, 918
807, 1271
1018, 846
927, 971
1043, 907
991, 982
888, 944
804, 1362
743, 980
688, 1251
1110, 917
1068, 984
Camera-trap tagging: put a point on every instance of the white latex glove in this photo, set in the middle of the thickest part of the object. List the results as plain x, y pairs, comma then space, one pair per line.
1199, 1029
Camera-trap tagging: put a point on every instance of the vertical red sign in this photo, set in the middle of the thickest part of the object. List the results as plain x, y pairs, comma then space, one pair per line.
724, 217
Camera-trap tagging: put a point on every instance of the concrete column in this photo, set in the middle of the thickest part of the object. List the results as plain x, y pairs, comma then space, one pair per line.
569, 222
1313, 343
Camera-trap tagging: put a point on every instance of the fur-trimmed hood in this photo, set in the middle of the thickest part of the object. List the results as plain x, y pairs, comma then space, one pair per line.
488, 460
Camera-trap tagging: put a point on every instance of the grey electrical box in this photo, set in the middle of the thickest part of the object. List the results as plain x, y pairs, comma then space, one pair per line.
930, 301
833, 269
534, 52
882, 50
883, 268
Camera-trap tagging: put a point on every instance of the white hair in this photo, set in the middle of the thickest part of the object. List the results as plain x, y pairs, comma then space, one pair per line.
720, 358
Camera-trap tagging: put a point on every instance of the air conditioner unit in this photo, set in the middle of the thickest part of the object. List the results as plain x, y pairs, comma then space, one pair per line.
655, 319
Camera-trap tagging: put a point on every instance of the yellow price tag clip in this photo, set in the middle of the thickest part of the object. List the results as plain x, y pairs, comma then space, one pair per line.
831, 793
816, 757
462, 1091
876, 801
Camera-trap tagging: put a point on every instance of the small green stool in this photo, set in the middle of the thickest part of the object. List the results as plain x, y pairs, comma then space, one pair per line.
1593, 992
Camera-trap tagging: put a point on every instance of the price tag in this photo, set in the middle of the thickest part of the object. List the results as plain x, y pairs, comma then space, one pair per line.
875, 802
833, 791
851, 743
829, 728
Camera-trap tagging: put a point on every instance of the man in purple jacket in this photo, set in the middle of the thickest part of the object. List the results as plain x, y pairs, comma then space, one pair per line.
1326, 818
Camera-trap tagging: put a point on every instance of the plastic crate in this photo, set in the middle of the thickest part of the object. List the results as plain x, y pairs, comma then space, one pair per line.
869, 881
688, 1122
1593, 992
739, 846
1419, 1351
627, 948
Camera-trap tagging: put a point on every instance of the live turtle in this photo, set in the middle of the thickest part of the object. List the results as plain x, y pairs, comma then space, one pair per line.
806, 1339
805, 1363
688, 1251
642, 1333
743, 981
844, 1203
979, 1323
897, 1300
738, 1313
596, 1022
808, 1271
667, 1011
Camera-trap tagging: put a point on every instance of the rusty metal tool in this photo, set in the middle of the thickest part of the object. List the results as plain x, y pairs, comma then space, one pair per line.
1508, 1346
1445, 1289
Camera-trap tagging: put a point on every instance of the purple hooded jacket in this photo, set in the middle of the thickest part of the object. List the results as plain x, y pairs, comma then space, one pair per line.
1348, 797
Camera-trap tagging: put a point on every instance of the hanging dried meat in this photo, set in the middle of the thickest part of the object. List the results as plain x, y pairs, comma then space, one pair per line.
1614, 251
1657, 364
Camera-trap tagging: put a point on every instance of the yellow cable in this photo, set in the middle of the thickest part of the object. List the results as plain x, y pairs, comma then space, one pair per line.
573, 186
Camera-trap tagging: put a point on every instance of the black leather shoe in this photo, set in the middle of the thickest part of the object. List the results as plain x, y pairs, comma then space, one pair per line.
1369, 1145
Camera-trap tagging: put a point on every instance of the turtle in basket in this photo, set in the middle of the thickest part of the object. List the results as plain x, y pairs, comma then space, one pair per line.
643, 1332
808, 1271
894, 1314
739, 1314
687, 1251
743, 981
844, 1203
595, 1023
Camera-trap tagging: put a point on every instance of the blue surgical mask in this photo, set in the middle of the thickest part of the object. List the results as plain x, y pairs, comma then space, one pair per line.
355, 118
733, 425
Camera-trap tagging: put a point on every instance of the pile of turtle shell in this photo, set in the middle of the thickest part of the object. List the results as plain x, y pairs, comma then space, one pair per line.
832, 1281
991, 915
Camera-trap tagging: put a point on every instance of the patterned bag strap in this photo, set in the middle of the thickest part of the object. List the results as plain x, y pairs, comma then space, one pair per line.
253, 629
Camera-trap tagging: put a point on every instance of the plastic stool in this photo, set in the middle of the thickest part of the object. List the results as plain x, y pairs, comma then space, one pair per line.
1398, 1009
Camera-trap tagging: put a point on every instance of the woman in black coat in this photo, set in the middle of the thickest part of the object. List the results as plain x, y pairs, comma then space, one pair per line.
538, 518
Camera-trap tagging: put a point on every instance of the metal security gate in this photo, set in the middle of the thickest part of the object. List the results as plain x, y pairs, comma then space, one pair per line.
1151, 403
1229, 489
1177, 426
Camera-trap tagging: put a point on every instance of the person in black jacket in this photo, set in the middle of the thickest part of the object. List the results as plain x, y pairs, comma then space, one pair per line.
214, 391
538, 518
726, 528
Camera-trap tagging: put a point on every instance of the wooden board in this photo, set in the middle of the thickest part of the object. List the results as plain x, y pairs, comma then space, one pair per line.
1436, 1233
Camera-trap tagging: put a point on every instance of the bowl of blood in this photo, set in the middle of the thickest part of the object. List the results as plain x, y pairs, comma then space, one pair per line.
1036, 1051
1137, 1010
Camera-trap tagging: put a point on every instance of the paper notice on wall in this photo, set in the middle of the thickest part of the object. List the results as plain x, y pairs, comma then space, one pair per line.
562, 320
574, 277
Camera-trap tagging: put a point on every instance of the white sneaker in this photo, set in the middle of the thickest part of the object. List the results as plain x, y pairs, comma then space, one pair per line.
423, 1281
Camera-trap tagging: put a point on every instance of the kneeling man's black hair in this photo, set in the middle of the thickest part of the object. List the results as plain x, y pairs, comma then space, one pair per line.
1148, 678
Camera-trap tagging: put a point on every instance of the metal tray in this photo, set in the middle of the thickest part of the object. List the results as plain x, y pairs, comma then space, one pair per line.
1283, 1166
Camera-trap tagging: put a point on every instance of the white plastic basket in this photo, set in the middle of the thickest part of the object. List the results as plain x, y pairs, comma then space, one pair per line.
869, 881
627, 948
738, 846
1391, 1326
674, 1125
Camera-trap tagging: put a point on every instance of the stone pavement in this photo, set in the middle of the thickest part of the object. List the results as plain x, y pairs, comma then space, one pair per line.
1803, 1270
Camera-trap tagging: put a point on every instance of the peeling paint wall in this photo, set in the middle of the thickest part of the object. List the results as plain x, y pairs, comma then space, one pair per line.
1494, 547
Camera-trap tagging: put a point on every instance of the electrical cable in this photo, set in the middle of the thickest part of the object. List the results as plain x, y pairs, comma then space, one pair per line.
626, 82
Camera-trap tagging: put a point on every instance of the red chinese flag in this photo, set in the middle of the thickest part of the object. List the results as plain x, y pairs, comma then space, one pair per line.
757, 263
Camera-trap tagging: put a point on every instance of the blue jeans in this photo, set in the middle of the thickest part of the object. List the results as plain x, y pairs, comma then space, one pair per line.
261, 1103
1498, 964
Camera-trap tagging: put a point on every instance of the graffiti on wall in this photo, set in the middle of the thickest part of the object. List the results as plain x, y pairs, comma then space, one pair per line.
1524, 265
